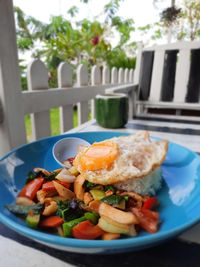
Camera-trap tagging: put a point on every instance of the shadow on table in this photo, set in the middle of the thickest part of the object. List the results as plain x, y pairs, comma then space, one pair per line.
172, 254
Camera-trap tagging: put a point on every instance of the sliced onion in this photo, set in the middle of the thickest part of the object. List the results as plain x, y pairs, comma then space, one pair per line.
24, 201
67, 164
63, 191
65, 176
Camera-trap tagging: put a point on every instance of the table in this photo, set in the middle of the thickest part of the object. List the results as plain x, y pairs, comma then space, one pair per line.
19, 251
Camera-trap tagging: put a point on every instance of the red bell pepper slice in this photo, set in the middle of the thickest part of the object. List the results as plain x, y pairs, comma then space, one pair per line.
30, 189
52, 221
150, 203
49, 186
148, 219
87, 230
65, 184
71, 160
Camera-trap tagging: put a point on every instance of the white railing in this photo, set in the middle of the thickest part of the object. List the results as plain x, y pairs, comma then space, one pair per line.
39, 98
15, 104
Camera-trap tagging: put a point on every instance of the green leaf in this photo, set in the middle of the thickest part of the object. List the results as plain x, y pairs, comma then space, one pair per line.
24, 210
113, 199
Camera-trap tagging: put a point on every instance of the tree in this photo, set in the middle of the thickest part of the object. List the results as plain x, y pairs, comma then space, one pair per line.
85, 41
181, 22
189, 23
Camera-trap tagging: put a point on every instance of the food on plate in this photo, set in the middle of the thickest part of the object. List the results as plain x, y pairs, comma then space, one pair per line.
106, 192
132, 162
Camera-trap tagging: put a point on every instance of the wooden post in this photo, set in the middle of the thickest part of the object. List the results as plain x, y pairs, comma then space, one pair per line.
12, 129
37, 76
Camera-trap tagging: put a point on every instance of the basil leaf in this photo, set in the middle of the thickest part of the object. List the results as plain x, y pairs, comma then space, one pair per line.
113, 199
24, 210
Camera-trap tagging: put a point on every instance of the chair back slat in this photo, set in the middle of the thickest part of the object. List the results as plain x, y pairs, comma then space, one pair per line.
182, 75
157, 72
37, 77
65, 80
138, 64
168, 76
193, 92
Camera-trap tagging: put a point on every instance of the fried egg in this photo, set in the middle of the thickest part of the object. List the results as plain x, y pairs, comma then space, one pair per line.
121, 159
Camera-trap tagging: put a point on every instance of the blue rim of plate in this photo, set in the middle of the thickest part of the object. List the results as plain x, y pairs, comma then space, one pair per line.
78, 243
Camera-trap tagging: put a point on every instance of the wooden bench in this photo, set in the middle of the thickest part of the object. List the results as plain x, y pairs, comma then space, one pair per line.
168, 79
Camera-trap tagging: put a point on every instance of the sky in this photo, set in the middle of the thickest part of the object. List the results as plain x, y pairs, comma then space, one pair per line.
142, 11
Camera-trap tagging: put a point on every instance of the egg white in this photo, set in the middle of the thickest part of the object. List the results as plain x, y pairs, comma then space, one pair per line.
137, 157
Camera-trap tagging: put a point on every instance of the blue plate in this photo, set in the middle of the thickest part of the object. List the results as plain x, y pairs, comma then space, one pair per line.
179, 196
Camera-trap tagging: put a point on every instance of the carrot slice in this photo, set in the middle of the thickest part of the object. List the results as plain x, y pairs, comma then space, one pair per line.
86, 230
52, 221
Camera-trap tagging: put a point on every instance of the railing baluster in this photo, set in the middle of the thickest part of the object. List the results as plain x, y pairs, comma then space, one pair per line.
114, 75
131, 75
82, 80
106, 75
37, 76
121, 75
65, 80
96, 79
126, 75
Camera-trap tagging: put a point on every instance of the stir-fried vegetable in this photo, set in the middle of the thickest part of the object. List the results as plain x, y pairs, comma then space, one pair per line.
24, 210
64, 201
30, 189
87, 230
52, 221
33, 220
68, 226
150, 203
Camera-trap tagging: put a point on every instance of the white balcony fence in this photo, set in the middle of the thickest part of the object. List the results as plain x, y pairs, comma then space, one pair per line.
40, 99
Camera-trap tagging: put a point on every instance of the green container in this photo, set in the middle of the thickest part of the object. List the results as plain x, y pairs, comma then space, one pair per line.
111, 110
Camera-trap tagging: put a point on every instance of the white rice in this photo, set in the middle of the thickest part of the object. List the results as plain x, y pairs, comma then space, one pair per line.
147, 185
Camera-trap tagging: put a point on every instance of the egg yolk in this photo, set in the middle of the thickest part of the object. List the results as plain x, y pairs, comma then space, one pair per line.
99, 156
